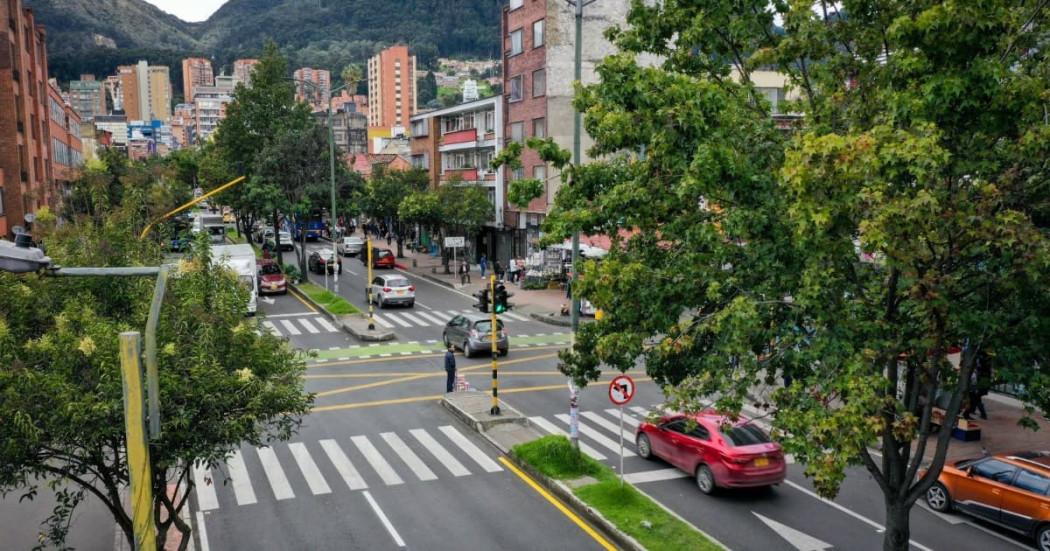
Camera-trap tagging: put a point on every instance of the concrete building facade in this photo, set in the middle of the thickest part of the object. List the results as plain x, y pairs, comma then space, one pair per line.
196, 71
146, 91
87, 96
242, 71
25, 133
391, 91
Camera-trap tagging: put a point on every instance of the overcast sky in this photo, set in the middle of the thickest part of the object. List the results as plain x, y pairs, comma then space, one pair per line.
189, 10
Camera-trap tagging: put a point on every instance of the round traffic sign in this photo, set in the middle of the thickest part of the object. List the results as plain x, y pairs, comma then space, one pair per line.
621, 390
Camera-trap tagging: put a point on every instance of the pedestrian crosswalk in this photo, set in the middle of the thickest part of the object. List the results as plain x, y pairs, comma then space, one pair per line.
395, 458
312, 324
390, 459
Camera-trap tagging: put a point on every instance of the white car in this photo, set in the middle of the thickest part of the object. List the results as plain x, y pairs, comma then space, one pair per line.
350, 245
393, 289
285, 240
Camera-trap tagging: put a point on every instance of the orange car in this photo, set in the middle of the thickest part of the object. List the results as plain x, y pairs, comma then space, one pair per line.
1009, 489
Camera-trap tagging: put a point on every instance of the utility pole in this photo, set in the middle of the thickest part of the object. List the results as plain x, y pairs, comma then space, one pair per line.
368, 285
577, 159
495, 349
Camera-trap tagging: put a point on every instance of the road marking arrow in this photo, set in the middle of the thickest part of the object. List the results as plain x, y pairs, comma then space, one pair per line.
799, 540
267, 300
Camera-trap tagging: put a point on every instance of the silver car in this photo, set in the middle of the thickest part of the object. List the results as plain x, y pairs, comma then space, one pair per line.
471, 333
393, 289
350, 245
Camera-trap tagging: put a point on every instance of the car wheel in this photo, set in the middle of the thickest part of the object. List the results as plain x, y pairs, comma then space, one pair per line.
411, 304
467, 352
938, 498
705, 479
1042, 537
645, 448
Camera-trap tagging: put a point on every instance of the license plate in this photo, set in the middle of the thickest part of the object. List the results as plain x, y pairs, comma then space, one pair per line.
400, 293
761, 462
273, 286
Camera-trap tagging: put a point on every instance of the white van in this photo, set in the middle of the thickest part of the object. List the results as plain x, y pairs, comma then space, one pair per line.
241, 259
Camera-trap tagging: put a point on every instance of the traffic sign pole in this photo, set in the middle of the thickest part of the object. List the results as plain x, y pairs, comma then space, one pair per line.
621, 390
621, 446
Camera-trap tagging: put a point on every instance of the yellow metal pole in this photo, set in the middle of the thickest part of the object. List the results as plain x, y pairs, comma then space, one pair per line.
495, 348
219, 189
368, 285
137, 448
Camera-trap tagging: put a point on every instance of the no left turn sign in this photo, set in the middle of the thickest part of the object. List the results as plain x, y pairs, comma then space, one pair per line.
621, 390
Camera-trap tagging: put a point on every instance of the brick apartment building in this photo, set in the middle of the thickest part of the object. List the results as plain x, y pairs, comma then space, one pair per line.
25, 134
318, 91
391, 94
67, 152
87, 96
242, 71
196, 71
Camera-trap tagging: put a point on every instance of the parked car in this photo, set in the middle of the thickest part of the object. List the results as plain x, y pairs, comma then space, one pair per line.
1008, 489
228, 218
739, 455
381, 258
271, 278
261, 233
393, 289
322, 260
472, 333
350, 245
285, 241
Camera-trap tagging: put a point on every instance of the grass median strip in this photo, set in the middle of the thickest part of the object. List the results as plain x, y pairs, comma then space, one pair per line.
328, 300
631, 512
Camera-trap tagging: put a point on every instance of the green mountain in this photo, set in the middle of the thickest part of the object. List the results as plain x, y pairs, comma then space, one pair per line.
97, 35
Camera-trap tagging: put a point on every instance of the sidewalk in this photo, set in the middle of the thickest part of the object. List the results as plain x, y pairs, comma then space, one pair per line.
544, 304
1000, 432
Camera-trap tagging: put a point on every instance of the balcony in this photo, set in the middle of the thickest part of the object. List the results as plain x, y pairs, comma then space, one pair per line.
465, 174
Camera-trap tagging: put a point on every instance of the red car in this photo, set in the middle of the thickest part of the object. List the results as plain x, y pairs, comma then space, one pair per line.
715, 450
271, 278
381, 258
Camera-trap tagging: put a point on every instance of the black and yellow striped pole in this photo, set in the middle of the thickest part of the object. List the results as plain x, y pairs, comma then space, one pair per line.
368, 285
495, 348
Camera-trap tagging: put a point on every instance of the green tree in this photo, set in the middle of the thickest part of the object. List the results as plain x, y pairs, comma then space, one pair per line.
222, 384
384, 192
464, 209
427, 88
846, 249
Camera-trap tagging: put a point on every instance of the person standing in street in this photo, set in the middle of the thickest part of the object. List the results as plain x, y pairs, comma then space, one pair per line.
483, 264
450, 370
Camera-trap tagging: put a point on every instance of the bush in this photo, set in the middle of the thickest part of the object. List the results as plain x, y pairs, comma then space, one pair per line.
291, 271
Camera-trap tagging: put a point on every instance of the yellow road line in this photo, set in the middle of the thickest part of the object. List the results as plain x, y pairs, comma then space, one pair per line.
301, 299
435, 397
316, 365
558, 505
426, 373
417, 377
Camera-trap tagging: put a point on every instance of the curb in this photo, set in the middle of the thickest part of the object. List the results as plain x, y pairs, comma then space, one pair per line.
482, 426
432, 279
550, 319
339, 320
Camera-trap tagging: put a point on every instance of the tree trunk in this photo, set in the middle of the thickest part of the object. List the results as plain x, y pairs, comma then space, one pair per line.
400, 239
898, 525
301, 253
277, 240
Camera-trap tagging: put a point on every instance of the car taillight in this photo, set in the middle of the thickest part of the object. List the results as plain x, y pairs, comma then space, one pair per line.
386, 289
738, 459
411, 287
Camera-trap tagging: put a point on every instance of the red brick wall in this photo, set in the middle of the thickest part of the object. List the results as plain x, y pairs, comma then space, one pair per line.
528, 108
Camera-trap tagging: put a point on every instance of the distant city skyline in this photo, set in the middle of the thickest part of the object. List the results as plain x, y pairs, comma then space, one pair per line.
197, 10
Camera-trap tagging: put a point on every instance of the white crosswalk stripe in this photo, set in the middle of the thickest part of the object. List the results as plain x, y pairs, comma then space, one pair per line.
206, 498
396, 320
309, 326
441, 316
515, 316
290, 327
375, 459
242, 485
473, 451
440, 453
552, 429
628, 419
311, 473
613, 427
379, 319
342, 464
271, 328
431, 317
275, 474
415, 320
409, 457
597, 437
640, 411
326, 324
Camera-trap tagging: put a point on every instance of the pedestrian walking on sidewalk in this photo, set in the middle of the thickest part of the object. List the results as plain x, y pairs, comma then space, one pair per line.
483, 264
450, 370
497, 268
512, 270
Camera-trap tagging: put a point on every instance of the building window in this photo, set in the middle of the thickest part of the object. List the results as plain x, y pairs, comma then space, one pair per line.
490, 121
515, 42
517, 174
485, 159
537, 33
515, 4
420, 161
539, 127
517, 131
456, 161
516, 88
539, 83
419, 128
539, 172
774, 96
1, 200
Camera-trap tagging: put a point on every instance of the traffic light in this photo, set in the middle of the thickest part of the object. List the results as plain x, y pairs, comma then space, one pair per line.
483, 300
501, 299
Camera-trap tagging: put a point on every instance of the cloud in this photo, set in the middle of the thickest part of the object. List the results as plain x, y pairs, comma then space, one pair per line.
195, 10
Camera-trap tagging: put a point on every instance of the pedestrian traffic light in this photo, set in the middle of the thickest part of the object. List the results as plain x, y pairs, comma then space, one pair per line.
501, 304
483, 300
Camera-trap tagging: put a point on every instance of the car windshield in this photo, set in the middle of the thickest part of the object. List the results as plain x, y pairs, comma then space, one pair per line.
397, 282
745, 435
325, 254
270, 269
484, 326
383, 253
352, 240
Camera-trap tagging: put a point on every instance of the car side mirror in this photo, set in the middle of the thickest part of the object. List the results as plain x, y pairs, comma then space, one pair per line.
969, 472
